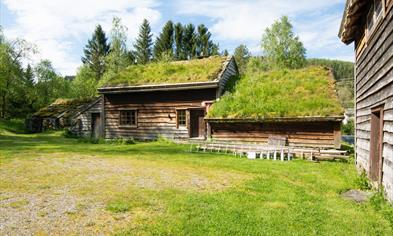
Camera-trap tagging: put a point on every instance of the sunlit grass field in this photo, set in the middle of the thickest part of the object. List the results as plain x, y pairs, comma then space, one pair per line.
51, 184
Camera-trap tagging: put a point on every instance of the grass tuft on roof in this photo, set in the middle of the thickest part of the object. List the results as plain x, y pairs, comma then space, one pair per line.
307, 92
197, 70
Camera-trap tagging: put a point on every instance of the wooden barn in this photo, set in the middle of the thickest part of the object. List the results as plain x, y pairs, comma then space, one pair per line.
167, 99
87, 121
59, 115
298, 108
369, 24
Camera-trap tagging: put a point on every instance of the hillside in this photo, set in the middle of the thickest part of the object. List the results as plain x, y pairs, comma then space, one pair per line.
308, 92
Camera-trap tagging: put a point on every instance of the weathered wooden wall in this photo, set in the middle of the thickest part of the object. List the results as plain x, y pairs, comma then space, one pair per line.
374, 86
85, 118
156, 112
307, 134
230, 71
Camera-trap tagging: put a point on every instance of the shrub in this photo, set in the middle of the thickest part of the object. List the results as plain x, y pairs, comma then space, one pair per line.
349, 127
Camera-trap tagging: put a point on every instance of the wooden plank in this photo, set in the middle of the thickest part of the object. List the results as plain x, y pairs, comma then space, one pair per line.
388, 138
388, 126
387, 151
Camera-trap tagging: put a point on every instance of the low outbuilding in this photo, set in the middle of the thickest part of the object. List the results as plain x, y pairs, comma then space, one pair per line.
292, 107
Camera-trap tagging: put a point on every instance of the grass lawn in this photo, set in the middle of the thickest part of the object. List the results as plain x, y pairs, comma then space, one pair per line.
62, 186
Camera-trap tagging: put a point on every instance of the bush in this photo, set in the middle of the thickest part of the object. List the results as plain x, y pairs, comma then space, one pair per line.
68, 134
348, 128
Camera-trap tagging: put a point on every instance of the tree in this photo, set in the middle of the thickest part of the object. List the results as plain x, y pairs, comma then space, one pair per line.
189, 41
242, 55
84, 85
203, 40
50, 85
119, 57
95, 52
179, 53
204, 45
164, 42
281, 48
225, 53
143, 44
12, 53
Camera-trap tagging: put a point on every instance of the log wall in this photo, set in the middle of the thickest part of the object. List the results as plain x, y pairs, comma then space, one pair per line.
156, 112
374, 87
300, 134
86, 122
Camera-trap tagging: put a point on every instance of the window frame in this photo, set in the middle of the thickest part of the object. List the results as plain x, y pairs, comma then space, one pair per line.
377, 19
178, 124
133, 111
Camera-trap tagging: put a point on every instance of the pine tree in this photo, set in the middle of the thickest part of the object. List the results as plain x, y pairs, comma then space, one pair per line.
203, 41
164, 42
29, 76
179, 53
143, 44
189, 41
95, 52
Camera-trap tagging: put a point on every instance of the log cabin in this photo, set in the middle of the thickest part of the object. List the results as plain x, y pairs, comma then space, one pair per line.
59, 115
369, 25
167, 99
298, 108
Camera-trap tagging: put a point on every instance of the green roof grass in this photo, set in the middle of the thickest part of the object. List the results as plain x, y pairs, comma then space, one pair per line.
197, 70
308, 92
63, 105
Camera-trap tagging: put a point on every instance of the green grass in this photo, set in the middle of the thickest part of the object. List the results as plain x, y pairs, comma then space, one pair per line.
306, 92
161, 188
197, 70
13, 126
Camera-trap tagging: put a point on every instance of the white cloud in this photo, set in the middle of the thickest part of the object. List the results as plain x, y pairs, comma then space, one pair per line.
56, 26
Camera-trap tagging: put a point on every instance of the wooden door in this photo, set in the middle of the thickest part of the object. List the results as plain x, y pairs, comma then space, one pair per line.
96, 125
376, 139
197, 123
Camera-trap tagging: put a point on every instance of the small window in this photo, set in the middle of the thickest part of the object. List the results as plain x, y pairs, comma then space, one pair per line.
128, 118
370, 19
378, 9
181, 118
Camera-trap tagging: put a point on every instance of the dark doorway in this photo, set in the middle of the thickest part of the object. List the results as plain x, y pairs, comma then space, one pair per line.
197, 123
376, 140
95, 125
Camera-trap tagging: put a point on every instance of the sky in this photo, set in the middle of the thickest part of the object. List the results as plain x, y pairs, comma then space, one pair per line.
60, 28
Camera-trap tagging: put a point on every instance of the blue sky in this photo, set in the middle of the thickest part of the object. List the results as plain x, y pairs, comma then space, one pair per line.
61, 28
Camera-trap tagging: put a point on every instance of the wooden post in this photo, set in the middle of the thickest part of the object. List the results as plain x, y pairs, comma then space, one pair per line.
275, 155
282, 155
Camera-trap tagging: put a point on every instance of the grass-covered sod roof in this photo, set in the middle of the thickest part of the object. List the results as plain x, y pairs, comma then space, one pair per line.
65, 107
197, 70
308, 92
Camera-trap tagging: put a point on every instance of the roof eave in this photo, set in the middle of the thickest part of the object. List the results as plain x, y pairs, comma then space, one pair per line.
275, 120
158, 87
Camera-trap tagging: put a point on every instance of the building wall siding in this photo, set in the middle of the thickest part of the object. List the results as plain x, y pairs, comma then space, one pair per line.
374, 87
156, 112
301, 134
